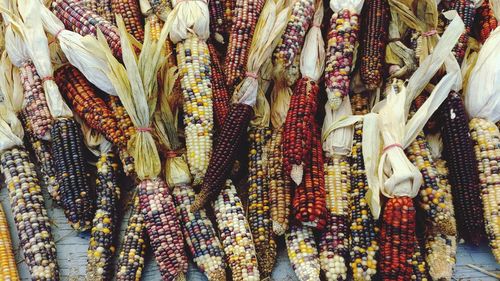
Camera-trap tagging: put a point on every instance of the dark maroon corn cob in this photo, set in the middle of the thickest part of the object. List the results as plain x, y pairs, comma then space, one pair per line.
221, 97
485, 21
466, 10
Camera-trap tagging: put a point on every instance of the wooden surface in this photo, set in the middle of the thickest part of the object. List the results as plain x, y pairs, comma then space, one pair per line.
72, 248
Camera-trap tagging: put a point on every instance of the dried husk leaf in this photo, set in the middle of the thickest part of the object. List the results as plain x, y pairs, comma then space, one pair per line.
11, 129
280, 102
188, 17
312, 58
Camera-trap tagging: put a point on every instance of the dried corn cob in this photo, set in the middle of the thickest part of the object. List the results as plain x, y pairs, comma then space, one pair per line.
36, 108
309, 201
280, 186
131, 259
258, 201
102, 8
232, 135
88, 105
78, 18
163, 228
30, 215
466, 10
199, 233
43, 155
131, 14
485, 21
342, 38
235, 235
217, 24
441, 255
360, 103
302, 252
228, 15
434, 198
246, 14
334, 241
220, 94
419, 266
486, 139
8, 267
155, 25
74, 188
363, 245
373, 41
194, 69
463, 174
397, 239
101, 247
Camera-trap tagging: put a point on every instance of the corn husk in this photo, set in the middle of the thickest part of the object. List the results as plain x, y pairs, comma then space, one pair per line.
352, 5
189, 17
337, 138
470, 59
270, 26
401, 59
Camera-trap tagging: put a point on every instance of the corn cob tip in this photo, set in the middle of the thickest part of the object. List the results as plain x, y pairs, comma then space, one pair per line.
278, 228
297, 173
447, 227
199, 201
218, 275
335, 101
181, 276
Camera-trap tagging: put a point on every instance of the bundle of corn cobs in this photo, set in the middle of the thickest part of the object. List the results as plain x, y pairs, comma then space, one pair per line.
223, 128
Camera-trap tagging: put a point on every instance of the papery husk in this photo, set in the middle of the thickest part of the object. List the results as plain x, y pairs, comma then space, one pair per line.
93, 139
262, 110
270, 26
336, 138
280, 102
189, 17
11, 88
312, 58
470, 59
401, 59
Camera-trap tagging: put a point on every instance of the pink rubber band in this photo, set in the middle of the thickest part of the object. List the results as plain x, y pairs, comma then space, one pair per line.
251, 74
59, 32
392, 146
143, 129
47, 78
429, 33
317, 25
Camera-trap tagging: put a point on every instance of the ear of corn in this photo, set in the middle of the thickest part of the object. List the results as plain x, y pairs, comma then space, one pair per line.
82, 20
373, 41
8, 267
30, 215
280, 186
132, 17
360, 103
434, 198
231, 136
485, 21
458, 150
199, 233
334, 241
258, 200
220, 94
486, 138
36, 107
163, 228
194, 69
101, 247
102, 8
466, 10
217, 21
302, 252
363, 245
133, 247
235, 235
419, 266
342, 38
69, 164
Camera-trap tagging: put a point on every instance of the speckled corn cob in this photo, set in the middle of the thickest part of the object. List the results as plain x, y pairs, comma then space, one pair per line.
163, 228
74, 188
82, 20
433, 198
373, 40
194, 69
228, 15
43, 155
334, 241
363, 245
131, 14
203, 243
258, 201
302, 252
441, 253
485, 21
244, 19
458, 150
280, 186
342, 38
221, 97
101, 247
419, 266
102, 8
36, 107
217, 18
133, 247
8, 267
466, 10
486, 140
30, 215
235, 235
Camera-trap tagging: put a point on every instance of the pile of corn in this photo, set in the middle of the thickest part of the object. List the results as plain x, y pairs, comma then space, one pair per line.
232, 214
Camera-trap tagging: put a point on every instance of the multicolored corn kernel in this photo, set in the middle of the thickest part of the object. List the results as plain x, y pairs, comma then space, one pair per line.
202, 242
458, 150
102, 8
217, 21
466, 10
235, 235
133, 247
419, 265
373, 39
486, 139
163, 228
302, 252
8, 266
485, 21
30, 215
230, 138
221, 97
132, 17
363, 245
434, 198
193, 58
440, 255
280, 186
76, 197
101, 247
342, 39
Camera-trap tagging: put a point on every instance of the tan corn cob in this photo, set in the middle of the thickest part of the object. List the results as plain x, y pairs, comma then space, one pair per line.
8, 267
302, 252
